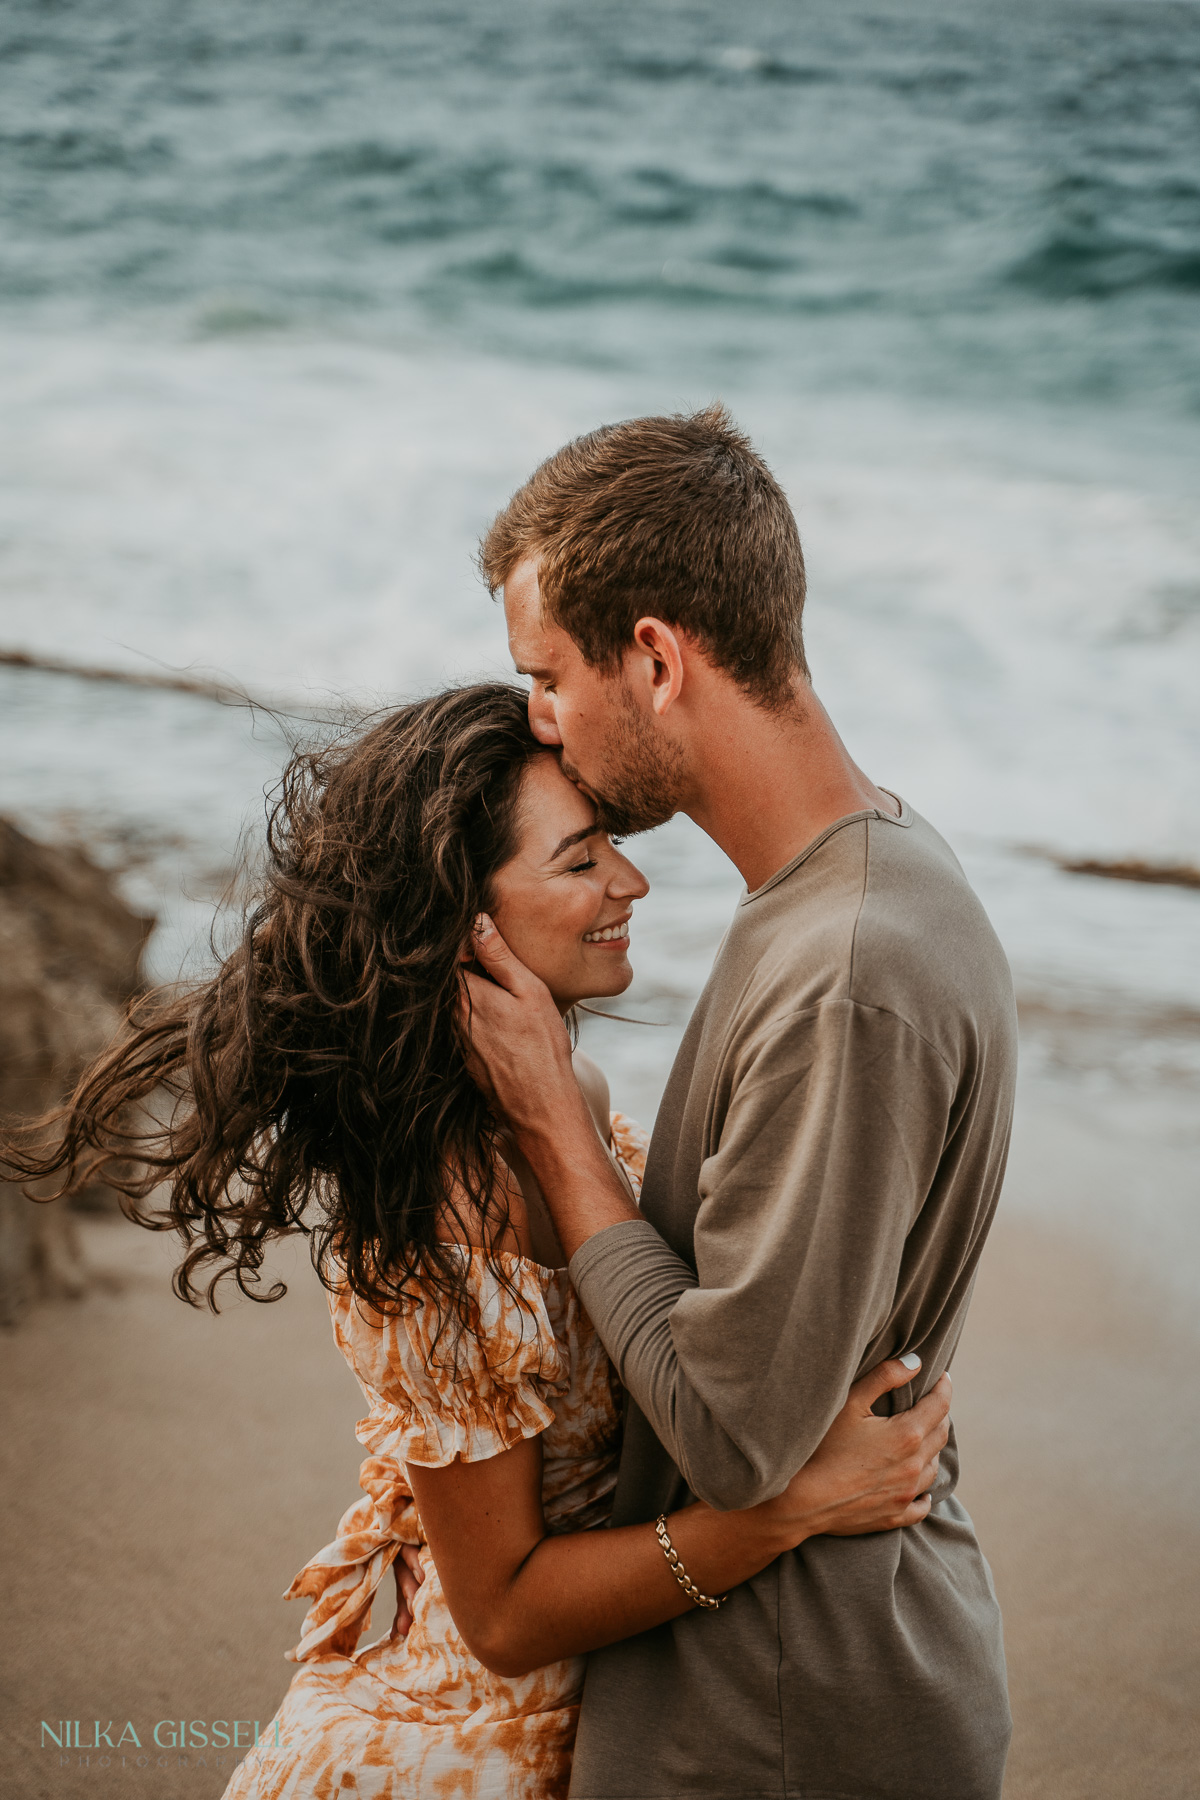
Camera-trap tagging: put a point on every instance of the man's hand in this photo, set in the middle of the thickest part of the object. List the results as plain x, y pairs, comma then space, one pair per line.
519, 1053
518, 1050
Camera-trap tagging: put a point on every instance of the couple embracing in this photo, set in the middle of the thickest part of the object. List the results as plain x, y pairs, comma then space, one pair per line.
657, 1441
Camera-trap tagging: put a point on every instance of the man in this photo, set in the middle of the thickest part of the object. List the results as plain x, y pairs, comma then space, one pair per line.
828, 1152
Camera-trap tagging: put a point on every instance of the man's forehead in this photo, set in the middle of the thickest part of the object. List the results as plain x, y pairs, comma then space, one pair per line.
533, 642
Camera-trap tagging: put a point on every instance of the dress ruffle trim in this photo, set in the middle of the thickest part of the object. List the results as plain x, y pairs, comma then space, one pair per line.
435, 1398
425, 1409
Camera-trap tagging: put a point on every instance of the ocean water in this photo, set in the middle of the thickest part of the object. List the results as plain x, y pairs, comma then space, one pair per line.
292, 298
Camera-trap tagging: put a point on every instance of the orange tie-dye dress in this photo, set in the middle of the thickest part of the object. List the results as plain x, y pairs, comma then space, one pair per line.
418, 1717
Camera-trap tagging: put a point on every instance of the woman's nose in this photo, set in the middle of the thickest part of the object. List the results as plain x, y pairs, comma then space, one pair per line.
628, 882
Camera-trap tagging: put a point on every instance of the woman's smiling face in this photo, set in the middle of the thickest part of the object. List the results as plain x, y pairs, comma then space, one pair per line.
562, 904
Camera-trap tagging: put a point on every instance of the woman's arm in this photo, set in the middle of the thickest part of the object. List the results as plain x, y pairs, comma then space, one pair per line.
521, 1598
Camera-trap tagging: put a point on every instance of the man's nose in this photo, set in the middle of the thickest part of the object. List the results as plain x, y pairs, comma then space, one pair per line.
542, 721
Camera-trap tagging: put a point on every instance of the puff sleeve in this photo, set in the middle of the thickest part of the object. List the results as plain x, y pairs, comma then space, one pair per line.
433, 1398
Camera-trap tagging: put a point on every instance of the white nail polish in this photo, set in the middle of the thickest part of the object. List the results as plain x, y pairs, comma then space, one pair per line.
911, 1360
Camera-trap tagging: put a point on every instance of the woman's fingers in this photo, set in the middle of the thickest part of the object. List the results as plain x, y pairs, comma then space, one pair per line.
932, 1412
409, 1575
897, 1372
917, 1510
880, 1515
930, 1421
928, 1476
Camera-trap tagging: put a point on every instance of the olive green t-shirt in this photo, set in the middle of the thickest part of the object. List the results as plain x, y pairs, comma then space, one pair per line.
825, 1166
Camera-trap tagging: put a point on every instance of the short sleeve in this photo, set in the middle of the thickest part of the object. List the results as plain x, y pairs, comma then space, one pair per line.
436, 1399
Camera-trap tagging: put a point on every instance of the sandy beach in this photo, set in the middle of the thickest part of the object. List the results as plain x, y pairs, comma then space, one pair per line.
168, 1473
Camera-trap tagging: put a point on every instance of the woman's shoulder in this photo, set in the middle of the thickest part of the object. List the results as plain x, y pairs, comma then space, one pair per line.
628, 1140
503, 1229
594, 1086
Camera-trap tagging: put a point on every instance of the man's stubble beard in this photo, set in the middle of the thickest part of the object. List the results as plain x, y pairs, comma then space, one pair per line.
641, 783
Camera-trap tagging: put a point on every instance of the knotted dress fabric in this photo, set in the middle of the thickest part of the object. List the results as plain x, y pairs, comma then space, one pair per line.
418, 1715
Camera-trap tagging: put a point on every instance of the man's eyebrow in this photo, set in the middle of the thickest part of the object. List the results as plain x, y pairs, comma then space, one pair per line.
572, 837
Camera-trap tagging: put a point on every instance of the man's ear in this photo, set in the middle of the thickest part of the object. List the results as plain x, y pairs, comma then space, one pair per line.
661, 662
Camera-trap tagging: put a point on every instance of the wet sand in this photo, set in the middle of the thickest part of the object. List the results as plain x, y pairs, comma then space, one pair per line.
168, 1472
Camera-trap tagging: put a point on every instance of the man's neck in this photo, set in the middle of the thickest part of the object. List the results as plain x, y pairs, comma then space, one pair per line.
765, 784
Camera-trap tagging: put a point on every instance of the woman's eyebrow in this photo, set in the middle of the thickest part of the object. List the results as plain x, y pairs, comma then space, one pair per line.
572, 837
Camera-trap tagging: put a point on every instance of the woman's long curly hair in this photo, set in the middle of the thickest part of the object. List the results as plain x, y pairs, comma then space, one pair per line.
317, 1082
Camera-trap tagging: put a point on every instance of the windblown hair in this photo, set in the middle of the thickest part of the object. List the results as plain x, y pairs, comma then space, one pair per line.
679, 518
317, 1081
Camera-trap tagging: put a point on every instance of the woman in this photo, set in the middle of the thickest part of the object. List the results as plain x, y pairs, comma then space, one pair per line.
317, 1083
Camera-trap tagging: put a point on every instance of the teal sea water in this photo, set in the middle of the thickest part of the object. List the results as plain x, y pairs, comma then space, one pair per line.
292, 297
947, 199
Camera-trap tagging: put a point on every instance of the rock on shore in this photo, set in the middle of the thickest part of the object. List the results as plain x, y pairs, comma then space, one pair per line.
70, 957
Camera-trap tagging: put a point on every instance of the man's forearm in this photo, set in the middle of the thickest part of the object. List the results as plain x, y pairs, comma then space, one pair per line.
521, 1057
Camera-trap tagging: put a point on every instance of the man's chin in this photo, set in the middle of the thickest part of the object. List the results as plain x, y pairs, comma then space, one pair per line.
573, 774
621, 820
623, 815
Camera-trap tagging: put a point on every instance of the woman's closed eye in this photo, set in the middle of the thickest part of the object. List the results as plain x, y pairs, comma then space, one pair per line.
581, 868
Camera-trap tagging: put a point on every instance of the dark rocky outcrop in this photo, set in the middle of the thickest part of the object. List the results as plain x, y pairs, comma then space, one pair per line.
70, 957
1134, 869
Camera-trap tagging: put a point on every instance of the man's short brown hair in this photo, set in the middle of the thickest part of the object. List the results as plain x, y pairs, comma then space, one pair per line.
677, 518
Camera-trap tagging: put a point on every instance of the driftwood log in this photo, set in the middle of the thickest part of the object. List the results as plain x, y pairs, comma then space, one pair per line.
70, 957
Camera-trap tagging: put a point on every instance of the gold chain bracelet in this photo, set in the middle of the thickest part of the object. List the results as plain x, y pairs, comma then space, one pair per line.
680, 1573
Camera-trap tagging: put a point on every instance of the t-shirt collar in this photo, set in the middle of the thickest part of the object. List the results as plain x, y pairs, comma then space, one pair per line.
904, 818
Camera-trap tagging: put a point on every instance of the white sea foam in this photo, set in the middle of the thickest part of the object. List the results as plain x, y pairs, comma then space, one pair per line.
1004, 618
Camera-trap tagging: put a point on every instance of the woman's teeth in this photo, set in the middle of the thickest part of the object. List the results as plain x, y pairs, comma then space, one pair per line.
606, 936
